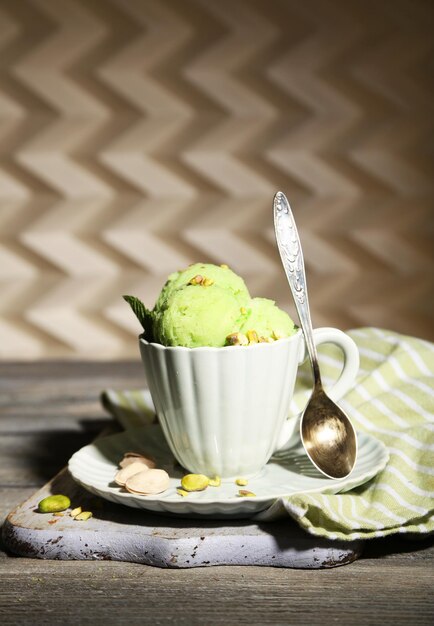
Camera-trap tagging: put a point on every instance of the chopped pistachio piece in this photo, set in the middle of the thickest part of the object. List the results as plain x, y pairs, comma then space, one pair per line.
252, 336
196, 280
237, 339
182, 492
216, 481
76, 511
224, 266
207, 282
243, 493
83, 517
242, 482
243, 310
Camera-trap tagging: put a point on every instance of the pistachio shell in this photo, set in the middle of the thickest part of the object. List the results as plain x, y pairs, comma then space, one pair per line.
195, 482
125, 473
148, 482
135, 457
53, 504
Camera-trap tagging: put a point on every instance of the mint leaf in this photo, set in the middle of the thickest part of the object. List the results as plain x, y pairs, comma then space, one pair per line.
143, 314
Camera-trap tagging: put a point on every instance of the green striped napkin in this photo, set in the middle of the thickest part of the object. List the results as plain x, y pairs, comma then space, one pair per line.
393, 399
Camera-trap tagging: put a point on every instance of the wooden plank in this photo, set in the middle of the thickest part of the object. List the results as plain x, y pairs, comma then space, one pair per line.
30, 402
29, 371
368, 592
11, 497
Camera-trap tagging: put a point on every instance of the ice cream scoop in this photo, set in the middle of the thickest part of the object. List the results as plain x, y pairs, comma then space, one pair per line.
198, 316
210, 305
267, 320
220, 275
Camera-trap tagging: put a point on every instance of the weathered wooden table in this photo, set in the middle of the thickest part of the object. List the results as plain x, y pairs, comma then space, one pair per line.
49, 410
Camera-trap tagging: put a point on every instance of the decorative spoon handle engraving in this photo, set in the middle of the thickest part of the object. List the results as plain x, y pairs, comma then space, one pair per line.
291, 254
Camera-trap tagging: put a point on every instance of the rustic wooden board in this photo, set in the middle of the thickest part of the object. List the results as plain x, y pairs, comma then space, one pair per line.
124, 534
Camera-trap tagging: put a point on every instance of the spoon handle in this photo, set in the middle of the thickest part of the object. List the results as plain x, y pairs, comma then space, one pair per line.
291, 254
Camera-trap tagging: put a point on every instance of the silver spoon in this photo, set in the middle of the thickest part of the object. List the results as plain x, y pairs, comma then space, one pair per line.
326, 432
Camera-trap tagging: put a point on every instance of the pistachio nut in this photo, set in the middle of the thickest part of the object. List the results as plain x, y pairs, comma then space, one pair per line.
148, 482
195, 482
207, 282
182, 492
125, 473
54, 504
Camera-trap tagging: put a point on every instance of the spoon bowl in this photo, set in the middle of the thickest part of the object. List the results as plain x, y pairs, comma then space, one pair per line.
328, 437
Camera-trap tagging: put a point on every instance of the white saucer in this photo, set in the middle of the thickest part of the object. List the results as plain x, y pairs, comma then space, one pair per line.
288, 473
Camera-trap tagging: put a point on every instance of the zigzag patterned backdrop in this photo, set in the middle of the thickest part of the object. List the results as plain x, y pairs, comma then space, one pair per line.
138, 136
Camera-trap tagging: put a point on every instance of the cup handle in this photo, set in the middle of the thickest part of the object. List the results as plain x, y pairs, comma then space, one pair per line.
340, 387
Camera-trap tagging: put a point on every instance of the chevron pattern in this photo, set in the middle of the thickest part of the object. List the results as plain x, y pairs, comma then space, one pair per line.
137, 136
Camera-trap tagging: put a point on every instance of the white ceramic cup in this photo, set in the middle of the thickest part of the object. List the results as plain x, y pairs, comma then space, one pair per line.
225, 411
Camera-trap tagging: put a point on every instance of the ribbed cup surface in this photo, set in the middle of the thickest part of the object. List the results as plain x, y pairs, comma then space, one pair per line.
222, 409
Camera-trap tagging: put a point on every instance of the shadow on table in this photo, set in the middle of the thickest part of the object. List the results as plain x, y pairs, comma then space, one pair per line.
382, 547
49, 451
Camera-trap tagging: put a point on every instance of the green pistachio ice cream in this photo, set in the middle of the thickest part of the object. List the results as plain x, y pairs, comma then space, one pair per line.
198, 316
220, 275
267, 320
209, 305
